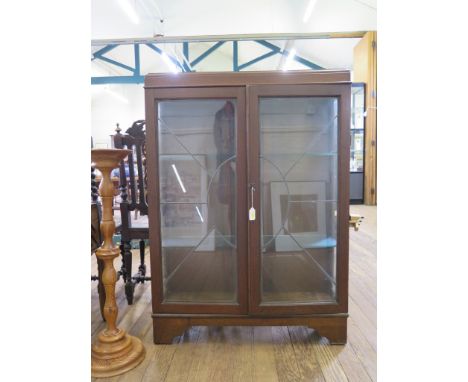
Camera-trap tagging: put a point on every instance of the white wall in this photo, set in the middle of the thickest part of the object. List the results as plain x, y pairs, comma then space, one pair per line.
184, 18
107, 109
214, 17
124, 104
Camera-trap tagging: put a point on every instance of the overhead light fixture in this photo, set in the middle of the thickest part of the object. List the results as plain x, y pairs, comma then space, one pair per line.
308, 11
129, 10
289, 60
173, 68
116, 95
178, 178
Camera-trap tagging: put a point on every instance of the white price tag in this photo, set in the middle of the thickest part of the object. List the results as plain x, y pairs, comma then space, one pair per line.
252, 214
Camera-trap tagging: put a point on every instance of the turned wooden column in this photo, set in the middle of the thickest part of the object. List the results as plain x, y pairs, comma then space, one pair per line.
114, 351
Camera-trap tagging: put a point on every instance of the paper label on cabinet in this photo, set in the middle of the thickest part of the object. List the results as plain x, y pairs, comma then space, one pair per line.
252, 214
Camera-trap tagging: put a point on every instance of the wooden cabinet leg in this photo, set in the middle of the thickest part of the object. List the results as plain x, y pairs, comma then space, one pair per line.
165, 329
333, 329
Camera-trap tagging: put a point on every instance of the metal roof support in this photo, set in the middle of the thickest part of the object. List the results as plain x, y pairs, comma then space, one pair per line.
117, 80
206, 53
116, 63
235, 56
172, 58
305, 62
136, 49
136, 78
274, 50
260, 58
285, 52
104, 50
186, 52
186, 65
99, 55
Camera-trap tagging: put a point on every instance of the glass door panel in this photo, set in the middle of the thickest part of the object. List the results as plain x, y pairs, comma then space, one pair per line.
298, 192
198, 200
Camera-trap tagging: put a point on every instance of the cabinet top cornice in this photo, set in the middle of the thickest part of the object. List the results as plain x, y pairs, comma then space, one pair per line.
245, 78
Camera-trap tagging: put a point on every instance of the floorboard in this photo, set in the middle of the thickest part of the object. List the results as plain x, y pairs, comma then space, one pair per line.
260, 353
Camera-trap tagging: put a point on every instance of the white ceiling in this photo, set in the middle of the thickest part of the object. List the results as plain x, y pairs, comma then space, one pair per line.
211, 17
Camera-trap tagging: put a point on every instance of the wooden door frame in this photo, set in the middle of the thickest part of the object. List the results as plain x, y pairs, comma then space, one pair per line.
365, 70
343, 93
152, 96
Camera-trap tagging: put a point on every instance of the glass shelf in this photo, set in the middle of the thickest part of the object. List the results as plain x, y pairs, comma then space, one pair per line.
311, 154
190, 155
194, 203
306, 243
312, 201
294, 129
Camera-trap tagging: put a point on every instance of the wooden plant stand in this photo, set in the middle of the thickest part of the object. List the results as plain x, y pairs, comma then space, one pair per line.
114, 352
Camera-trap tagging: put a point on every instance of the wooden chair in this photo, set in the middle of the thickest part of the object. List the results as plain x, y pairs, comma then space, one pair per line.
133, 199
96, 238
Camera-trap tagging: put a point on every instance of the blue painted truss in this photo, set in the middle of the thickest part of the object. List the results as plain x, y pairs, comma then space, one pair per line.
136, 77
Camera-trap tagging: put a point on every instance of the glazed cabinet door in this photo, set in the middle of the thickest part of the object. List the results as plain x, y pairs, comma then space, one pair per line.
298, 175
197, 183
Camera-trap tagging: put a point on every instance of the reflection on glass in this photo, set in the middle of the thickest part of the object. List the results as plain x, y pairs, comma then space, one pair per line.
357, 128
298, 159
197, 176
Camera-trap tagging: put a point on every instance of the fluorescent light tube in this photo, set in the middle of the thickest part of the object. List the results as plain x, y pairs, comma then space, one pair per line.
178, 178
291, 55
308, 11
199, 214
129, 10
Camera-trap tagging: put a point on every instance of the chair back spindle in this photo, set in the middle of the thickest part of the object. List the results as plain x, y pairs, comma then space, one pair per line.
133, 180
133, 175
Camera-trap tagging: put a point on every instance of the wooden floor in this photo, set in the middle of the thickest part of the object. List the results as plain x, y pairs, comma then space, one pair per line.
261, 353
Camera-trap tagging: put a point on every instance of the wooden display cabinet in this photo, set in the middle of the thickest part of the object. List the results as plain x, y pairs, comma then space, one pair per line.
248, 190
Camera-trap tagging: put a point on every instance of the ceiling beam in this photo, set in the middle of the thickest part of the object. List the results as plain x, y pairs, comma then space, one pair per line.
287, 46
229, 37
